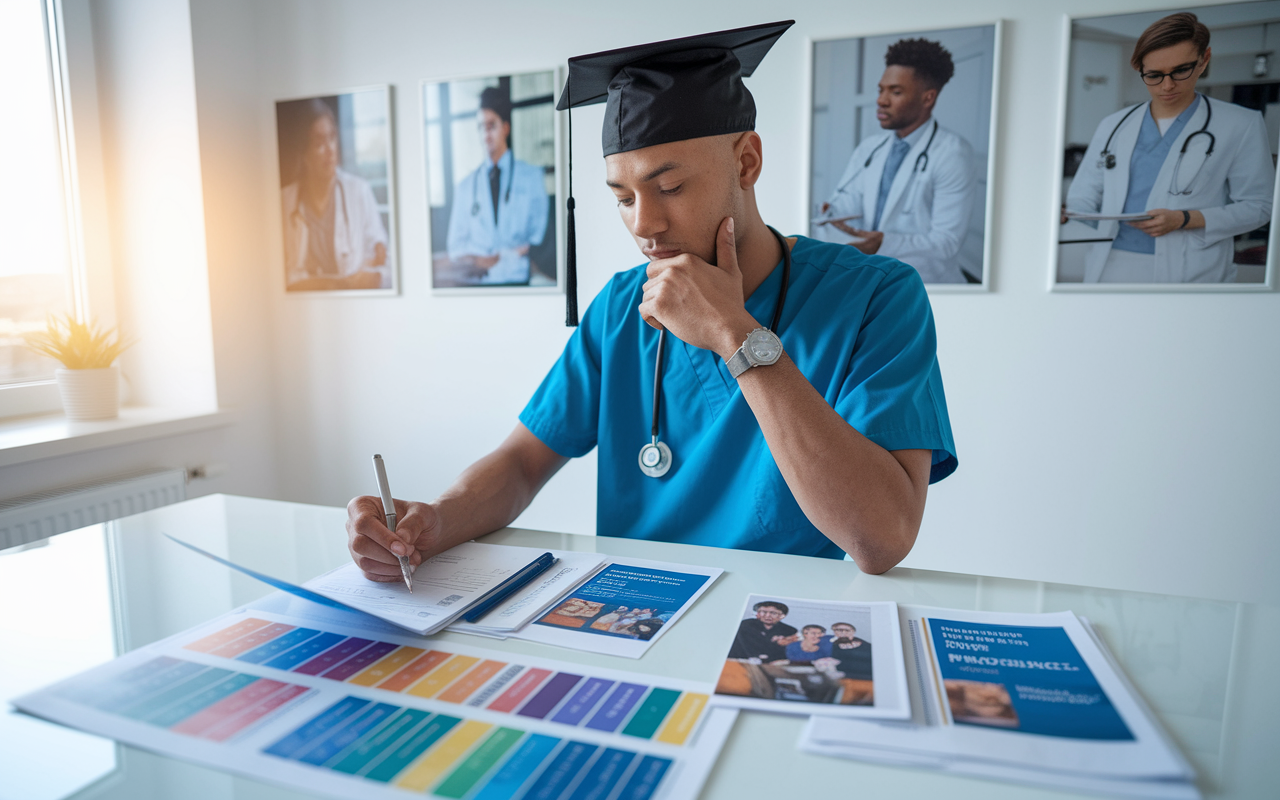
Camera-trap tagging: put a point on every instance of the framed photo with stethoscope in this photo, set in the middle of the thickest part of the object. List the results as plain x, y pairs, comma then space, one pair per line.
902, 127
1170, 136
337, 193
491, 154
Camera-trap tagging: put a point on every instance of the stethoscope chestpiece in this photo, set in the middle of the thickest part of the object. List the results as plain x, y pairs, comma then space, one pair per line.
655, 458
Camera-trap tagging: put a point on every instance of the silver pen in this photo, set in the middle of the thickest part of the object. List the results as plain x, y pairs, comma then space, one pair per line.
389, 510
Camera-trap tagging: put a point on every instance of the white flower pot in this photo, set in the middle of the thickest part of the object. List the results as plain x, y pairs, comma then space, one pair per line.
89, 393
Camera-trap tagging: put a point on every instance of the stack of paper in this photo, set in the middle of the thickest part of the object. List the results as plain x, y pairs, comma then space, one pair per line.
1028, 698
445, 586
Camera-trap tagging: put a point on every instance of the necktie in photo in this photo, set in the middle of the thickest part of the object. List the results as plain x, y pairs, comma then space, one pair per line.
891, 164
495, 185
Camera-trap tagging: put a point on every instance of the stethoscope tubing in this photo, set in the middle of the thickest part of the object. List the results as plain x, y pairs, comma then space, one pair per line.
1107, 159
662, 336
921, 163
298, 215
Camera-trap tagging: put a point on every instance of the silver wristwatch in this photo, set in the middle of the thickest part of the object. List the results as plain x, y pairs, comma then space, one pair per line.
762, 348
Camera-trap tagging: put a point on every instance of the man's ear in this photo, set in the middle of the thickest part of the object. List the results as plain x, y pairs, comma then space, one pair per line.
929, 99
748, 154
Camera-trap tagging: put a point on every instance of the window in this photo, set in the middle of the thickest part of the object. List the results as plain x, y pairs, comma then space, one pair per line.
37, 272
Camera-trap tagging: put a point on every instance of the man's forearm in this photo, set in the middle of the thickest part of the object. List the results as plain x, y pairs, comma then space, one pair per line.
854, 491
495, 490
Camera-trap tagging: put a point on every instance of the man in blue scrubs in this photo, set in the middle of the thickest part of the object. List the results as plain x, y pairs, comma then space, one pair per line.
819, 437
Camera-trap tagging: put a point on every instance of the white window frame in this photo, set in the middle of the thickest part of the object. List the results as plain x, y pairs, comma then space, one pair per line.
41, 397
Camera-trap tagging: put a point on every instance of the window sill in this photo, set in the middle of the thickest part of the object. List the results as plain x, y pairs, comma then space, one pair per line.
47, 436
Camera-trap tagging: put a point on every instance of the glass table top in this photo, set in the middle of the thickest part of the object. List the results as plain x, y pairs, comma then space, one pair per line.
1204, 666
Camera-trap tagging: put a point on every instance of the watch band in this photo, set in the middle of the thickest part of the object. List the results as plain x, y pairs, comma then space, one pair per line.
1186, 220
738, 363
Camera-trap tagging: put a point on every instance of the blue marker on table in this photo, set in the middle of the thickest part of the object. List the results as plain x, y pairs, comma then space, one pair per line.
510, 586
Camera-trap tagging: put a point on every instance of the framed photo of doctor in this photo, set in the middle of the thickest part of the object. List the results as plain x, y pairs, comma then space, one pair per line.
491, 147
902, 129
1169, 151
337, 192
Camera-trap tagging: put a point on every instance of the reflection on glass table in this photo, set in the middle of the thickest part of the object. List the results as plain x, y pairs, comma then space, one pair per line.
1204, 665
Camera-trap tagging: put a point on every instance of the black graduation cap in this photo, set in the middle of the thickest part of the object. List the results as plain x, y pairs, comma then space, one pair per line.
664, 92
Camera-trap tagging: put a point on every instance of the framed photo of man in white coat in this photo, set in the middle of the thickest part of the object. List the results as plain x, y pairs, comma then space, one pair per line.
490, 155
902, 130
1169, 151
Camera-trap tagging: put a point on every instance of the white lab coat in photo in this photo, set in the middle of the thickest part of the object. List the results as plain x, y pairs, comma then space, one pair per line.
1233, 190
522, 218
357, 230
927, 211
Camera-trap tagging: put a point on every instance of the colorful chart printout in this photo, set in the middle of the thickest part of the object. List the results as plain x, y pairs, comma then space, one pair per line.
307, 704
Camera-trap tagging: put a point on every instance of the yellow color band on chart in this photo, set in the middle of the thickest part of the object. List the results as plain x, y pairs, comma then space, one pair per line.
683, 719
442, 676
437, 761
386, 666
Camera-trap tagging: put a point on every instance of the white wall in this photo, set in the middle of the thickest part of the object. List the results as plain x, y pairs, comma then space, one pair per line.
1122, 440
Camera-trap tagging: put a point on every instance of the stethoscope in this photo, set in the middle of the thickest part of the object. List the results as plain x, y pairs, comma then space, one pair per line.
1107, 158
300, 217
655, 457
475, 187
922, 160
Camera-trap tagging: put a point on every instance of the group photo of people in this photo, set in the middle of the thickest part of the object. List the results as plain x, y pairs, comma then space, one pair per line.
818, 657
591, 616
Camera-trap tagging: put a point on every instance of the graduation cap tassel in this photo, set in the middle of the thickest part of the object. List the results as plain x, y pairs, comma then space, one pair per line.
571, 242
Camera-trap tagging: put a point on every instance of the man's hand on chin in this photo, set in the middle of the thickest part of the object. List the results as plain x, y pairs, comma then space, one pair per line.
700, 303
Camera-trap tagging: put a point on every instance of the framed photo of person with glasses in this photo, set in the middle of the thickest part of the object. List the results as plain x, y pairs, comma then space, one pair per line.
1169, 176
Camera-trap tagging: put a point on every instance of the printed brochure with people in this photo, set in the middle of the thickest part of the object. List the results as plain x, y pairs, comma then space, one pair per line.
795, 656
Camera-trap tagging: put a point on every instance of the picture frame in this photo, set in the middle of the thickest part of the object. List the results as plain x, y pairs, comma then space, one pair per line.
1080, 259
841, 119
345, 139
452, 174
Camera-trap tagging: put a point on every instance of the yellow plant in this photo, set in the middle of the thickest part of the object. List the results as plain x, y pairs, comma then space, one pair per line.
76, 344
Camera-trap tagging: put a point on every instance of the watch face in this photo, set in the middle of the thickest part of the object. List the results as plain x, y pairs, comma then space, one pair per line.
764, 346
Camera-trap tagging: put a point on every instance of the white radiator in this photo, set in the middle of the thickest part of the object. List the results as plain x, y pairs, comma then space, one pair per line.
44, 514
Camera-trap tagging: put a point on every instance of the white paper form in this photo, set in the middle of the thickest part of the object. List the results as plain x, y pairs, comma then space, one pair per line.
314, 704
1087, 216
1027, 692
791, 655
444, 586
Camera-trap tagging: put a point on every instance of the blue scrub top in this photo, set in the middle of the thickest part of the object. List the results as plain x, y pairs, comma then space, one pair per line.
858, 327
1149, 154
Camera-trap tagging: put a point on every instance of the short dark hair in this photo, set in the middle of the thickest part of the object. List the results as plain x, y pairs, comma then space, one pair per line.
773, 604
847, 624
931, 61
816, 627
497, 101
1168, 31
